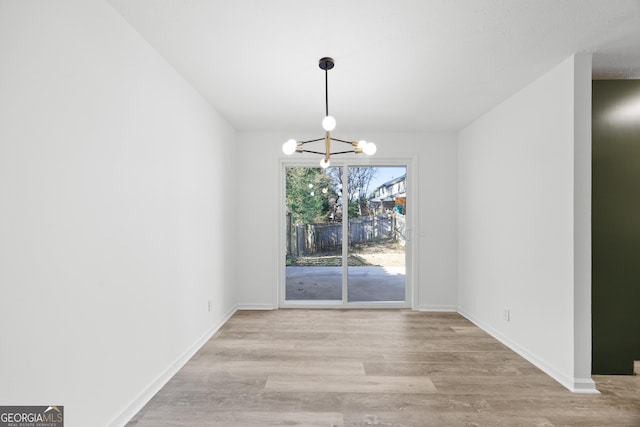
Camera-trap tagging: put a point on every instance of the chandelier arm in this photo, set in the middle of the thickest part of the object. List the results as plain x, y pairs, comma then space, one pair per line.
311, 140
314, 152
342, 140
342, 152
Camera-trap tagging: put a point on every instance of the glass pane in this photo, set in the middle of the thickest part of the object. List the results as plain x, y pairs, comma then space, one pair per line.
313, 233
377, 200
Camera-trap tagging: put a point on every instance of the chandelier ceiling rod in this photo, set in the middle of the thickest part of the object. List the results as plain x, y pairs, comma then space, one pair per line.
328, 123
326, 92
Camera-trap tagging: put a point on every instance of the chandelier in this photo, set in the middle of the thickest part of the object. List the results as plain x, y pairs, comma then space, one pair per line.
328, 124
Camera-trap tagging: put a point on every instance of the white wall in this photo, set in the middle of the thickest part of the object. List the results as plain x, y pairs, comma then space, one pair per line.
115, 183
523, 222
257, 209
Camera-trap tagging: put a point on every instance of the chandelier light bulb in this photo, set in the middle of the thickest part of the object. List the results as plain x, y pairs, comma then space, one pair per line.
289, 147
324, 163
361, 144
370, 149
329, 123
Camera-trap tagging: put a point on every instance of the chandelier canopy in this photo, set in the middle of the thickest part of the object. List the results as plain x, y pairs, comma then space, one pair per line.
328, 124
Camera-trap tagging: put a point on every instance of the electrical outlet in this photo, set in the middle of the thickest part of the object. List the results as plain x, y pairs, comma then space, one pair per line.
506, 314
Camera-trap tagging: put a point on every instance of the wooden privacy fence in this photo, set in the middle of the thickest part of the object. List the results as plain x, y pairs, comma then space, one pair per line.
309, 239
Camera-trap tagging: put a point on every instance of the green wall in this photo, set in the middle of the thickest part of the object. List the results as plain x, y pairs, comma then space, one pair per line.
616, 226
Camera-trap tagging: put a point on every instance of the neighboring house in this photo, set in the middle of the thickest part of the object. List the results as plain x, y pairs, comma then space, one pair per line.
392, 195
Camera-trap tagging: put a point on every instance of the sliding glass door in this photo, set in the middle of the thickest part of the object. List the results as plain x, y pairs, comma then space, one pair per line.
376, 246
345, 235
313, 234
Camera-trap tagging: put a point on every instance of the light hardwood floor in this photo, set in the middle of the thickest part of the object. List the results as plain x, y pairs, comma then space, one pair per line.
373, 367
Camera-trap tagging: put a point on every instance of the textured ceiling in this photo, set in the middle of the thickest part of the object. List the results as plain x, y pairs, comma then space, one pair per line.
401, 65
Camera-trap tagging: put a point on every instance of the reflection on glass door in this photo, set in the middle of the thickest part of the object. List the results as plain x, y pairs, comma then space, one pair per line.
366, 203
313, 234
377, 200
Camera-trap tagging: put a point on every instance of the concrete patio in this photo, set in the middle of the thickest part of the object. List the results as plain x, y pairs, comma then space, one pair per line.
366, 283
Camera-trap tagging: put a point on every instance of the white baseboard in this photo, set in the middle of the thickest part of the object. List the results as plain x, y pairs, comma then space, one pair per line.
250, 306
147, 394
438, 308
584, 385
575, 385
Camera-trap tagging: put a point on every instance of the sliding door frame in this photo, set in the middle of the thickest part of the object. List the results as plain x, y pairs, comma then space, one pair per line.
411, 249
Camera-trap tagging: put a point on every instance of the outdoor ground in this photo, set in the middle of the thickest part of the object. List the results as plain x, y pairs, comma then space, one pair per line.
382, 253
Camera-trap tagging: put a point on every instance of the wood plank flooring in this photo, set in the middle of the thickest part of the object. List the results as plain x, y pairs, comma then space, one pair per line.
373, 368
